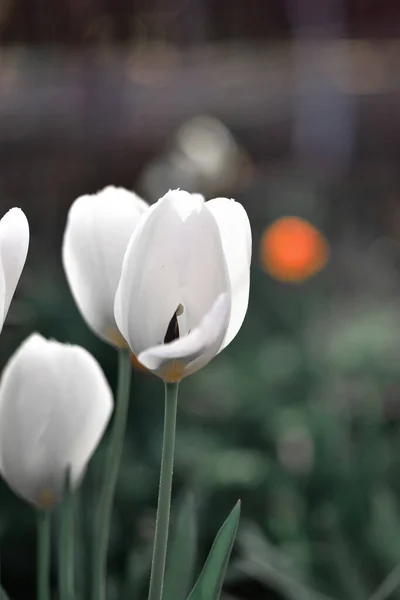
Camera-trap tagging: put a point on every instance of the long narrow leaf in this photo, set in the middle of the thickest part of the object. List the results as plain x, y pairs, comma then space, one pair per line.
181, 558
388, 586
3, 595
209, 583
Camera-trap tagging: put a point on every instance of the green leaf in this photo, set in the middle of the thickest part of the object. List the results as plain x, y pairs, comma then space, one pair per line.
181, 558
3, 595
209, 583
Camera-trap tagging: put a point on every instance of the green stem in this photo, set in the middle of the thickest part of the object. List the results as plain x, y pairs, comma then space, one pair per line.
103, 517
164, 494
43, 554
66, 544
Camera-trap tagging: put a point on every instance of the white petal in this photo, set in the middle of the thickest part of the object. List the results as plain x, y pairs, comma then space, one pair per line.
14, 243
235, 231
2, 294
198, 196
55, 403
188, 354
174, 257
95, 240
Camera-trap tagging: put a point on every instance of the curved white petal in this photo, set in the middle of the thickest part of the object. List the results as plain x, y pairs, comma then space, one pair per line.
2, 294
96, 237
192, 352
14, 243
55, 403
235, 231
174, 257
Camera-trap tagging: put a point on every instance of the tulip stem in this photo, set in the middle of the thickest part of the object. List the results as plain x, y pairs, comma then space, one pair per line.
113, 459
43, 554
164, 494
66, 543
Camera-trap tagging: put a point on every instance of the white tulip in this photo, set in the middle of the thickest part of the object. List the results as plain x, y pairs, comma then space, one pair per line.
14, 243
98, 230
185, 279
55, 403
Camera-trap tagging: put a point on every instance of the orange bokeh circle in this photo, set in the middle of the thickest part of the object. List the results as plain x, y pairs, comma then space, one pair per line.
293, 250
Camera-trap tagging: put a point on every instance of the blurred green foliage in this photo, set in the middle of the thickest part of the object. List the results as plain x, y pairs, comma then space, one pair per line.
299, 418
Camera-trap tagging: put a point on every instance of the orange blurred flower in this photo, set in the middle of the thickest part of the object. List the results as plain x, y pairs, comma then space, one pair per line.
293, 250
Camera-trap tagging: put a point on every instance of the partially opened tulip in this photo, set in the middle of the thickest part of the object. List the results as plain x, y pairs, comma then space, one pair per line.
181, 299
98, 230
55, 403
184, 286
14, 243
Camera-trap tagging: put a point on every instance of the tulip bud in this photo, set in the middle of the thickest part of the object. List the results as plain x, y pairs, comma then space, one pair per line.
98, 230
55, 403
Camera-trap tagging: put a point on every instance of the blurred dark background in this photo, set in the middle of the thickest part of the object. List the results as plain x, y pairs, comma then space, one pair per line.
293, 108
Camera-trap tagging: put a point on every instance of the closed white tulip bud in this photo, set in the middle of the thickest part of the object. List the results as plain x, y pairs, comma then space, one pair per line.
14, 243
98, 230
185, 279
55, 403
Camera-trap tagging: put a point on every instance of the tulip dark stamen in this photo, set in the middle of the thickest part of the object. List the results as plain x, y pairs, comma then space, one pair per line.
173, 328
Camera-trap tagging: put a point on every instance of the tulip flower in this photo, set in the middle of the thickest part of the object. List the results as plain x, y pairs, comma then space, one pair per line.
98, 230
14, 242
55, 403
184, 286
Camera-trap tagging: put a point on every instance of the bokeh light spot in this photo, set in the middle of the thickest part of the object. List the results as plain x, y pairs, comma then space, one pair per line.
293, 250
